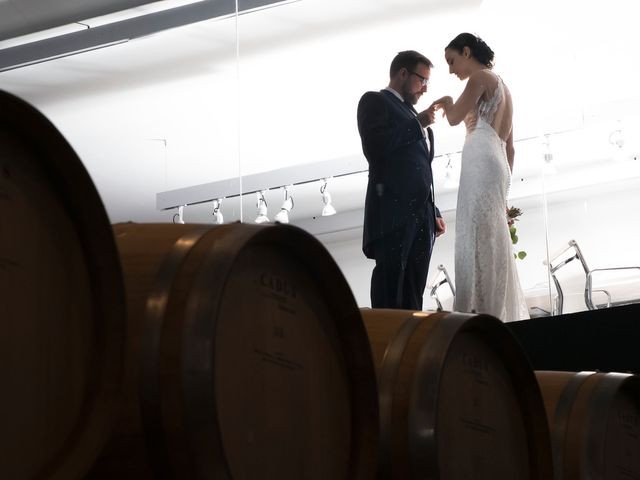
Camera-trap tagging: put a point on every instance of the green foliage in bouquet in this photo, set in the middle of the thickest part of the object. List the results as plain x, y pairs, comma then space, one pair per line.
512, 216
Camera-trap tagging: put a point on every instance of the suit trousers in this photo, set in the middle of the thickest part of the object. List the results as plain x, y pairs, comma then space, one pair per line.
402, 265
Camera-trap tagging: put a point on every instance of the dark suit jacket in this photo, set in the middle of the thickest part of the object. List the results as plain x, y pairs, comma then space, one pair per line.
400, 178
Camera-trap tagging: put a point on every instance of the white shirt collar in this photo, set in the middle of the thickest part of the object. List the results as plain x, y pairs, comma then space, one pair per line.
395, 93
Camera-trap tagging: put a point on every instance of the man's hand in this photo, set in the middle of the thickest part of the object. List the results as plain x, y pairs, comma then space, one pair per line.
427, 117
441, 227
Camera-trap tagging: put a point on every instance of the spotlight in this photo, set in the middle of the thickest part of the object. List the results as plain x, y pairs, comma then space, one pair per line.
262, 208
617, 142
449, 177
283, 215
328, 209
616, 138
549, 167
179, 215
218, 218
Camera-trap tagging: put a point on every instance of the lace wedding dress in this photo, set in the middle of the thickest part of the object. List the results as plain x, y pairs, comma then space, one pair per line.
485, 270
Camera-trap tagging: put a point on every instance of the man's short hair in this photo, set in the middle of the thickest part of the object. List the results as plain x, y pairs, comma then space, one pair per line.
408, 59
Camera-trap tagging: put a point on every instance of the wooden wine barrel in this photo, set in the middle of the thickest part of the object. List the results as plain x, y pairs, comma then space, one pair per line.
594, 423
247, 358
458, 399
62, 308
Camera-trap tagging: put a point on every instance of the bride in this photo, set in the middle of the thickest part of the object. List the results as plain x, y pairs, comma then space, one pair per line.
485, 270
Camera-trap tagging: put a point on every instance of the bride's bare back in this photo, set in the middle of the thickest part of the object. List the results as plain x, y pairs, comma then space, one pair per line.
494, 105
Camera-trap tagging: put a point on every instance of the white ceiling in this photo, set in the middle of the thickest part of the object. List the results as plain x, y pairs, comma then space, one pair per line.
23, 17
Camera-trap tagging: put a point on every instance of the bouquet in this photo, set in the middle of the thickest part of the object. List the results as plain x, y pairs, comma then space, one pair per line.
512, 217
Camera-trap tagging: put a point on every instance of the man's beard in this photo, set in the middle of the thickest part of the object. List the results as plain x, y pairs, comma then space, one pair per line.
409, 96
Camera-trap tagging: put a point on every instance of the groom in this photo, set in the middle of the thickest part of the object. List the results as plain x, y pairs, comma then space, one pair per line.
401, 220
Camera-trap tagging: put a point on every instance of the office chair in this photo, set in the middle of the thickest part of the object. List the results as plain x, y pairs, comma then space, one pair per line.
441, 278
577, 254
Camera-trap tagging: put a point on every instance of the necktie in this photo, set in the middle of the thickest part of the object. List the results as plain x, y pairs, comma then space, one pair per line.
415, 114
408, 104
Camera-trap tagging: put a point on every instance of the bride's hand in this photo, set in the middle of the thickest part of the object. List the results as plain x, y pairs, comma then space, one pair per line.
446, 100
443, 104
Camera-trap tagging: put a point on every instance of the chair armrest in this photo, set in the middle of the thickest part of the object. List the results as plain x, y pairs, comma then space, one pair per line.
588, 287
612, 268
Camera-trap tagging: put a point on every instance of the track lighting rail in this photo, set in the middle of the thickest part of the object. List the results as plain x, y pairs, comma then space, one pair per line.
260, 182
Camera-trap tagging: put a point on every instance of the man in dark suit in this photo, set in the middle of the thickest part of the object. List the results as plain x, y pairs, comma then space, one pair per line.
401, 220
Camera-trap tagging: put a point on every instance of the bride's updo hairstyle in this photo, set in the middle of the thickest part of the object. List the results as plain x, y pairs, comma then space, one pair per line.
479, 49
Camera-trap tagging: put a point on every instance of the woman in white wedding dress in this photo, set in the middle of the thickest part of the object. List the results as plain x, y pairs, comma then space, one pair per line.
486, 277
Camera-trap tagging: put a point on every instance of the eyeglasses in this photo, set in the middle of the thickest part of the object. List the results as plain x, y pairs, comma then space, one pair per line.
425, 81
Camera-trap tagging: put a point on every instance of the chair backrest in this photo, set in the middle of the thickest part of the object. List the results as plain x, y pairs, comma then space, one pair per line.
559, 260
441, 278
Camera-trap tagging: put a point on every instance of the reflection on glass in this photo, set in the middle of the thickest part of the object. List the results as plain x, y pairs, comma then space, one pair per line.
592, 260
